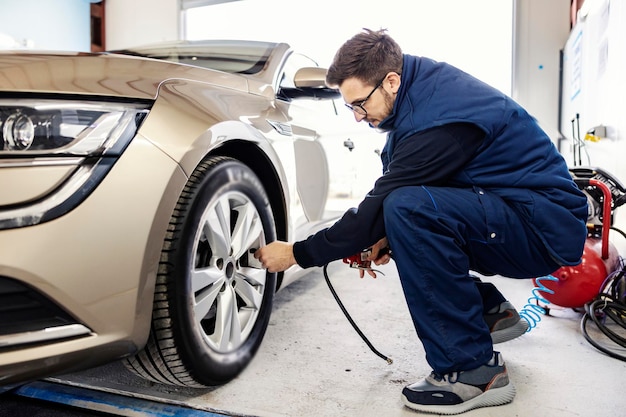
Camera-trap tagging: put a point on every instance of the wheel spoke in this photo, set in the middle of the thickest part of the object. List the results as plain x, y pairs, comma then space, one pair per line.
217, 228
247, 230
205, 298
248, 292
204, 277
227, 325
254, 276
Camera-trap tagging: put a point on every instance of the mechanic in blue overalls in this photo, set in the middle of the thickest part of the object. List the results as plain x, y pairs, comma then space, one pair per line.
470, 183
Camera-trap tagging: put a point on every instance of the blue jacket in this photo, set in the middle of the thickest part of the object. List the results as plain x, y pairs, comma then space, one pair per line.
515, 160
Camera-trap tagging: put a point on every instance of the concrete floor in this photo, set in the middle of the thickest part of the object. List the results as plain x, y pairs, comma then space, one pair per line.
312, 363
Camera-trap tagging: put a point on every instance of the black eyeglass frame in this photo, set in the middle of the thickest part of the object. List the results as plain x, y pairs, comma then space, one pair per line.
358, 107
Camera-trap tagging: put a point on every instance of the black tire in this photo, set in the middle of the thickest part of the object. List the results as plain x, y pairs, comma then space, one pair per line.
212, 301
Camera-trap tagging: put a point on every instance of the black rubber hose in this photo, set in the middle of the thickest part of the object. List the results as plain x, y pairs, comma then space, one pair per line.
607, 305
354, 325
591, 316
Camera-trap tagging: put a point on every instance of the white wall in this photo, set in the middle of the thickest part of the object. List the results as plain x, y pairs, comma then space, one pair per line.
541, 29
140, 22
47, 24
595, 66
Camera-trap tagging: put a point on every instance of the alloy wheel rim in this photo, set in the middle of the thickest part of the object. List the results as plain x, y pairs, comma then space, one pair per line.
227, 290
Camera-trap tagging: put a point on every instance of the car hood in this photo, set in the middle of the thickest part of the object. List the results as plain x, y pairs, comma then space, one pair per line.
101, 74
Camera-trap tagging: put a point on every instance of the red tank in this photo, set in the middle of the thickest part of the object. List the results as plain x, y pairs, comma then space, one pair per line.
580, 284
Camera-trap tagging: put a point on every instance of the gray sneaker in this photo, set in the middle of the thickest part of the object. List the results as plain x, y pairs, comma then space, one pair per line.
505, 323
459, 392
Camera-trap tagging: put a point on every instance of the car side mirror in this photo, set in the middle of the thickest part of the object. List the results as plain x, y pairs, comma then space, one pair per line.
310, 82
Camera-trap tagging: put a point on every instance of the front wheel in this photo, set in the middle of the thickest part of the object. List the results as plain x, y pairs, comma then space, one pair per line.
212, 299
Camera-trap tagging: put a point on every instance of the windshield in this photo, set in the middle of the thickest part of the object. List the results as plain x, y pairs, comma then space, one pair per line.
241, 57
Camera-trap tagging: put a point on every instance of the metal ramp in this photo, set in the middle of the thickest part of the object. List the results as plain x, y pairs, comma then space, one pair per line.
109, 390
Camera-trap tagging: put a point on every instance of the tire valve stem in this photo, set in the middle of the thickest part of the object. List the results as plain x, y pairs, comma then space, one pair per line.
251, 260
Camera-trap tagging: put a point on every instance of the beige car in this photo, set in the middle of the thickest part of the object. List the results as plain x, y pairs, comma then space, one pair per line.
135, 188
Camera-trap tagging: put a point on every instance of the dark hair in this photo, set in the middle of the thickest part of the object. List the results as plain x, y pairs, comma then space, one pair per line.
367, 56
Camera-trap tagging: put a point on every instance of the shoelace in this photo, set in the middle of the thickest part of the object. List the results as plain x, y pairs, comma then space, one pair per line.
452, 377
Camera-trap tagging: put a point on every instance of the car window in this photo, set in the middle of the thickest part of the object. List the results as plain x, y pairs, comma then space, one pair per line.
237, 58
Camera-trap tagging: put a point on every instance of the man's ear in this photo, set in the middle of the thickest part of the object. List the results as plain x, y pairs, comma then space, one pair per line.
393, 78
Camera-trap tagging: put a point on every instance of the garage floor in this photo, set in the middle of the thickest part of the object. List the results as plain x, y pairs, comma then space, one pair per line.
312, 363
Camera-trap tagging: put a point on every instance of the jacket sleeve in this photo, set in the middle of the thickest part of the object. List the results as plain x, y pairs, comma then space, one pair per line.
429, 157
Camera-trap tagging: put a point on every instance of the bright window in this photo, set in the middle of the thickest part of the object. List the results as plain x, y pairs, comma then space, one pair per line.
475, 36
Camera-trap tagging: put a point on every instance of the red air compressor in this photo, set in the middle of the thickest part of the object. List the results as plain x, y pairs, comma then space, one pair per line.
574, 286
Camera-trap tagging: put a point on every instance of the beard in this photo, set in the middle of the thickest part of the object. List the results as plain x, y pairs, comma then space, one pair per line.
389, 101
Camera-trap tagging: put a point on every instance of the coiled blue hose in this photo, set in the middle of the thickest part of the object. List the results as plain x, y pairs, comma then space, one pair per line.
532, 311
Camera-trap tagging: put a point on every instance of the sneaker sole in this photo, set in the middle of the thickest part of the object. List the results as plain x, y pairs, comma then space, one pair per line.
510, 333
490, 398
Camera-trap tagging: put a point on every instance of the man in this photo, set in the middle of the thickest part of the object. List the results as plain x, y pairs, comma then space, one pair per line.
470, 183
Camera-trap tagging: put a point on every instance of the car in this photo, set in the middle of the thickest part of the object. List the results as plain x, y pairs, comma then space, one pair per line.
136, 186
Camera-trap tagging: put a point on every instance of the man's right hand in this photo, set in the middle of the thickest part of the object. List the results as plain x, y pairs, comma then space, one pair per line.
276, 257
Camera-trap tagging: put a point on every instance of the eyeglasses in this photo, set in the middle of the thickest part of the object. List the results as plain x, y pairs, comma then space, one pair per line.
358, 107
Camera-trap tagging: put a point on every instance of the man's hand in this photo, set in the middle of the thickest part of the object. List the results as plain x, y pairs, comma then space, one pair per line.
381, 255
276, 257
378, 255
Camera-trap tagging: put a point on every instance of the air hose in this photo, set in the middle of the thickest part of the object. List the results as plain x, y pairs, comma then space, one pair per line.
608, 305
354, 325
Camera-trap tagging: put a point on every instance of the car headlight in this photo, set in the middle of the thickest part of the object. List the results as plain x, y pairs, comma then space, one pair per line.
30, 127
83, 138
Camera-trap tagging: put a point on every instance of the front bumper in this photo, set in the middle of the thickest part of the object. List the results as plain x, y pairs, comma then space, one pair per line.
96, 265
